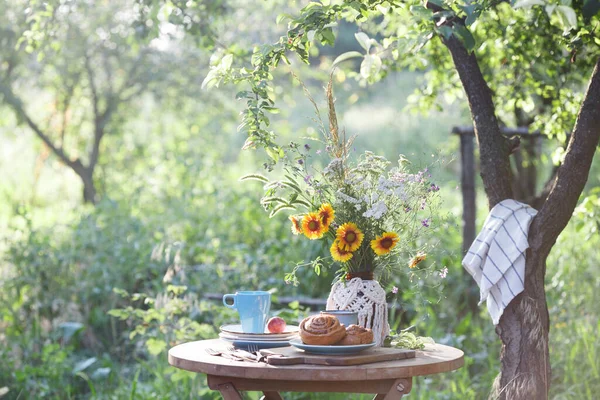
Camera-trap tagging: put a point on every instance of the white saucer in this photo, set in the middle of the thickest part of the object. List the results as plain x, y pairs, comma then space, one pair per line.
235, 330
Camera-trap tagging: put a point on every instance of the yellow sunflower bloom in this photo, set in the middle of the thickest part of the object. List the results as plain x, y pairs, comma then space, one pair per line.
417, 259
385, 243
339, 254
349, 236
326, 213
296, 224
313, 227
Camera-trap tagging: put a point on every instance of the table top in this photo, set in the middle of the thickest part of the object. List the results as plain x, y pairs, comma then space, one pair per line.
193, 357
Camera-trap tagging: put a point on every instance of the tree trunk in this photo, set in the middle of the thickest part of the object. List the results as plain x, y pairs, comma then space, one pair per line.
524, 329
89, 190
86, 174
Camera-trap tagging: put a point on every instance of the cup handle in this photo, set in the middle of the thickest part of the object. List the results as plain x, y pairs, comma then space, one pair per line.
229, 296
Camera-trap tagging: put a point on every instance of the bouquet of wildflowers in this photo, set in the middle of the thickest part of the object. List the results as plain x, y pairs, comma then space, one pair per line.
370, 211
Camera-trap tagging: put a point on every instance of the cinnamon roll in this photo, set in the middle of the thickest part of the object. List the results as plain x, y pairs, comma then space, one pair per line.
321, 330
356, 335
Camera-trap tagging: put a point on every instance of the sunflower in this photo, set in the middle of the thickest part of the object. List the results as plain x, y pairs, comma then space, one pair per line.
296, 224
313, 227
349, 236
385, 243
326, 213
417, 259
339, 254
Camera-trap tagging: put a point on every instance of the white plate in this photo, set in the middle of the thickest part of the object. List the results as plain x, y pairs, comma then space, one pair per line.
331, 349
236, 330
259, 344
230, 336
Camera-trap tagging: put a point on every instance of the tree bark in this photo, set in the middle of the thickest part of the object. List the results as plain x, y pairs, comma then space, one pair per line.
86, 174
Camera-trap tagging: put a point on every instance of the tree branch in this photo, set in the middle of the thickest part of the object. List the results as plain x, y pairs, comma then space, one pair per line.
17, 105
101, 118
493, 147
93, 89
572, 175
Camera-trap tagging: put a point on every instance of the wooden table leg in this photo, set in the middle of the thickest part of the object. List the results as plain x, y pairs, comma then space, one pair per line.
227, 389
398, 389
272, 396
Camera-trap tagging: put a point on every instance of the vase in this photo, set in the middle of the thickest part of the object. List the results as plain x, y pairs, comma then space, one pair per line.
367, 297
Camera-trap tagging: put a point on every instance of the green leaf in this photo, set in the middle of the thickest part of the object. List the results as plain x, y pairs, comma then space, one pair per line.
69, 329
568, 17
346, 56
438, 3
120, 292
465, 36
528, 3
82, 365
177, 290
211, 80
364, 40
155, 346
100, 373
445, 31
226, 61
370, 66
121, 314
282, 17
421, 12
273, 153
272, 110
472, 13
328, 36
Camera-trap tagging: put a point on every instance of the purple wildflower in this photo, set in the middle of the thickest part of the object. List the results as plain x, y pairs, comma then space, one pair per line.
425, 222
394, 290
300, 162
307, 147
443, 273
434, 188
307, 179
319, 151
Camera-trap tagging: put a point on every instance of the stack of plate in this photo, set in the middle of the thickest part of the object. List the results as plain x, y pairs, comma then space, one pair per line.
266, 340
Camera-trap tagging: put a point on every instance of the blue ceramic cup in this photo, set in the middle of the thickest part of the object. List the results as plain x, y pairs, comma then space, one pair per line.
253, 307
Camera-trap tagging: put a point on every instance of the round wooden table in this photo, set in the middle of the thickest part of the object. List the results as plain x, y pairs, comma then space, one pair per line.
388, 379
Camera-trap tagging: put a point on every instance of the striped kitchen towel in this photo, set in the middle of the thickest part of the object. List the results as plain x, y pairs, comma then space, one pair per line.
496, 259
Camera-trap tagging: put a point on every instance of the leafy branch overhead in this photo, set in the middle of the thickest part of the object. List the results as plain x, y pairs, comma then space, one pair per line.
477, 26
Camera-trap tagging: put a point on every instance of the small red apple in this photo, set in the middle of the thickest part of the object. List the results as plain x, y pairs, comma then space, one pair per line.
276, 325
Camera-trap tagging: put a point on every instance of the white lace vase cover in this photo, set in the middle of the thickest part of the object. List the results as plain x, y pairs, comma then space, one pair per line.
368, 299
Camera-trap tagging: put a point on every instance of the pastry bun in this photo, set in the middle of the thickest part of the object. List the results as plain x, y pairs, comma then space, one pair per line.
356, 335
321, 330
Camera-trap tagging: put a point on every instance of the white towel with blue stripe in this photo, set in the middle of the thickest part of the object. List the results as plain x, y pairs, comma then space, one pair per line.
496, 259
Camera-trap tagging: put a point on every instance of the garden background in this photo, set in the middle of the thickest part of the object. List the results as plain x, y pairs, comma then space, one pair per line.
173, 223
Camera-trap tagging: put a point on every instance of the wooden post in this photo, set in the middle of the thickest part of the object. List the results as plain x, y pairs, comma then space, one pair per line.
467, 182
467, 158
